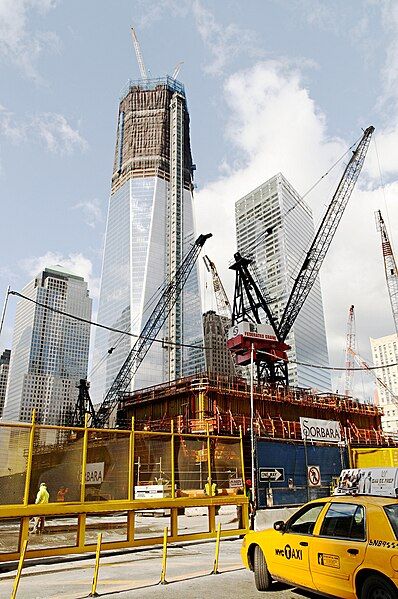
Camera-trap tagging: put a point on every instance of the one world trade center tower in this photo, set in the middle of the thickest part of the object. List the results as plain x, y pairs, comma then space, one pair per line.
150, 227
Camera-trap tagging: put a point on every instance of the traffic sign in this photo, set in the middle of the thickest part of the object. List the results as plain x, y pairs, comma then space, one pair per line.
314, 476
266, 475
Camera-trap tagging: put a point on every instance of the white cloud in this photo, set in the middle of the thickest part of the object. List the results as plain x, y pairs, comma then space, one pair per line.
57, 134
19, 44
49, 129
91, 210
76, 263
224, 41
275, 126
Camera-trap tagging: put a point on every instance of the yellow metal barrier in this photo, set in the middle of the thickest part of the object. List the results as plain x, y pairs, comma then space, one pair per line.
19, 571
217, 553
96, 567
93, 473
164, 557
373, 457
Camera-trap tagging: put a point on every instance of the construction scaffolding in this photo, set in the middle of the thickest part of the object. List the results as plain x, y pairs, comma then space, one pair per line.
223, 405
145, 130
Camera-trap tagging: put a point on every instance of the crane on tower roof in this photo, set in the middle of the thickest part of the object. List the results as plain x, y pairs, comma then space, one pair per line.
223, 304
138, 53
390, 267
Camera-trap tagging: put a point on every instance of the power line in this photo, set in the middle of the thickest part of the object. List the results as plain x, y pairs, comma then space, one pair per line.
102, 326
189, 345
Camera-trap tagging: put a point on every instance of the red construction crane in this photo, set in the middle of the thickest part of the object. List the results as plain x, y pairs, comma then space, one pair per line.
269, 345
350, 348
390, 267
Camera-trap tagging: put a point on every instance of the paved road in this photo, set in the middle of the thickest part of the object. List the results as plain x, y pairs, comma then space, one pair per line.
135, 575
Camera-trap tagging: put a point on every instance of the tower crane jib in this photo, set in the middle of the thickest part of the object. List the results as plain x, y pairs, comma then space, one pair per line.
138, 53
390, 267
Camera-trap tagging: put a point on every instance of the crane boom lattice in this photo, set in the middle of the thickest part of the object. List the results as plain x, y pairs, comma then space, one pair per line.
138, 53
390, 267
151, 329
222, 301
322, 240
349, 356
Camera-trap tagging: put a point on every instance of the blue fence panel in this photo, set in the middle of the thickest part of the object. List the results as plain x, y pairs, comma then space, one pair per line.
294, 457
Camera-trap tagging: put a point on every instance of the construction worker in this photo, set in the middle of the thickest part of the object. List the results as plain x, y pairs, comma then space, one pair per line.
210, 488
42, 497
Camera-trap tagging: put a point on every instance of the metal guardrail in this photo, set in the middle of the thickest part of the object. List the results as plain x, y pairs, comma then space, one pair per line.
100, 472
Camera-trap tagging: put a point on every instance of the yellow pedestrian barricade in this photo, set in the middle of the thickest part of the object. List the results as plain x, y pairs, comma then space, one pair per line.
100, 479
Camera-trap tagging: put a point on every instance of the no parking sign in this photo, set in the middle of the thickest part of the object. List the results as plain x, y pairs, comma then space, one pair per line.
314, 476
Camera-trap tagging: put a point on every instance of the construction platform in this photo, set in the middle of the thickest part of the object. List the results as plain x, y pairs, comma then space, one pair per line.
223, 404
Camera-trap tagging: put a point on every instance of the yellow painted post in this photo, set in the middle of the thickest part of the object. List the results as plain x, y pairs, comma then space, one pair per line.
81, 530
242, 460
30, 459
208, 460
173, 485
217, 553
130, 495
84, 461
212, 509
130, 526
96, 567
19, 571
164, 559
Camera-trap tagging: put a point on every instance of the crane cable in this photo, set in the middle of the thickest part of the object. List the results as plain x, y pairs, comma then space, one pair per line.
174, 343
256, 241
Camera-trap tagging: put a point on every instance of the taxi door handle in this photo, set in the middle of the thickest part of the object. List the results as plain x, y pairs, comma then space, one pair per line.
353, 551
303, 543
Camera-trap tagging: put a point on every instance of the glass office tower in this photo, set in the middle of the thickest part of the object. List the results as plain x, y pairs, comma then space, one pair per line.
277, 260
149, 230
49, 350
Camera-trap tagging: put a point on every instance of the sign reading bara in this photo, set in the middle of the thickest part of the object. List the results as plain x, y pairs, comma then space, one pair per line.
266, 475
94, 473
327, 431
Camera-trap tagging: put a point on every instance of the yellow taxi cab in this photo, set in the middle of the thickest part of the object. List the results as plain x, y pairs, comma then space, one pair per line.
345, 546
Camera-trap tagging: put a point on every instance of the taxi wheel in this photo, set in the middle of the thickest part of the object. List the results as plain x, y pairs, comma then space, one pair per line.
376, 587
262, 577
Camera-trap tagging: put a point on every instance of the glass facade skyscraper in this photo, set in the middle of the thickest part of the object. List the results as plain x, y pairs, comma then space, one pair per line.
385, 351
149, 230
277, 260
49, 350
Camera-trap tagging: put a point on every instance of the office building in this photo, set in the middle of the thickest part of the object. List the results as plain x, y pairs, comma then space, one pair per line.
385, 351
149, 231
4, 368
49, 350
277, 259
219, 359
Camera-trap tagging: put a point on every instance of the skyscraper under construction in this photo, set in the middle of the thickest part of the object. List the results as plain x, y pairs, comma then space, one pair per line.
149, 230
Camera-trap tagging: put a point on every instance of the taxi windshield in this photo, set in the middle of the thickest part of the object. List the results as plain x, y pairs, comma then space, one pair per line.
392, 515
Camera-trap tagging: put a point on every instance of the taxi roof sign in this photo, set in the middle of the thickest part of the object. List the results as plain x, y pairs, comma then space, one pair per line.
378, 482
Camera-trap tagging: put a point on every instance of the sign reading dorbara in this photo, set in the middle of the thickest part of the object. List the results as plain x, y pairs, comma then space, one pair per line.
327, 431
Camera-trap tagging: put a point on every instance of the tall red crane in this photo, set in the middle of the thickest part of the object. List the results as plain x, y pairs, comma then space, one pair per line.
269, 345
350, 348
390, 267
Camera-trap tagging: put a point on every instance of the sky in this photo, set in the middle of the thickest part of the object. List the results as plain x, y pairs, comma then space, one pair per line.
272, 86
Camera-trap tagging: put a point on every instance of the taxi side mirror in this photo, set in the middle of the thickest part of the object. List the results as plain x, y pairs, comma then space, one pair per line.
280, 525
